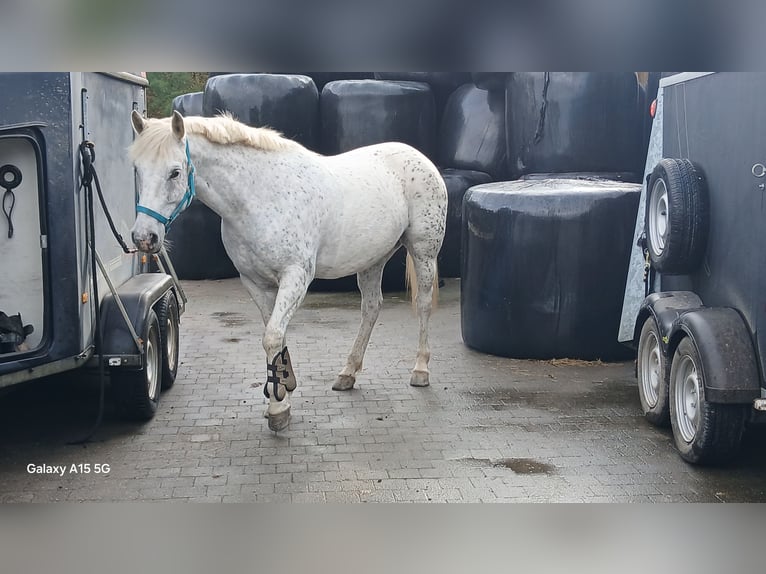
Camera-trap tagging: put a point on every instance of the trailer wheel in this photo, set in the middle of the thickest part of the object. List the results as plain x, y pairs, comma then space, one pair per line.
704, 432
677, 215
653, 375
167, 314
137, 392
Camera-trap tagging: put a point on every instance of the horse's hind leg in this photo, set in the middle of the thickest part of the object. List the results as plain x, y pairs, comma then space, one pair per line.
293, 284
372, 298
425, 271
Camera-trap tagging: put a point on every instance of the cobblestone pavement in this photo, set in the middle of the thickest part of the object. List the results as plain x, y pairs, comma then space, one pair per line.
488, 429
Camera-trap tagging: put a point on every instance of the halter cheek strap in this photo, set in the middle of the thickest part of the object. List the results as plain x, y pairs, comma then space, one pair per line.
185, 200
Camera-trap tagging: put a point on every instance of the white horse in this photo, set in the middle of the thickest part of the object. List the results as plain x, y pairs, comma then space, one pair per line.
289, 215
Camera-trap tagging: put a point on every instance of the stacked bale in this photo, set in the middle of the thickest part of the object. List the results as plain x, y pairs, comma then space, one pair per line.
472, 151
357, 113
544, 267
188, 104
573, 121
458, 181
287, 103
443, 84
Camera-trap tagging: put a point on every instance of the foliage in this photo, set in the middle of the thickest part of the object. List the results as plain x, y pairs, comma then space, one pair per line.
164, 86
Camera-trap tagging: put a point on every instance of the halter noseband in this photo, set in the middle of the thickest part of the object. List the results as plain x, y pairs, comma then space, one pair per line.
185, 200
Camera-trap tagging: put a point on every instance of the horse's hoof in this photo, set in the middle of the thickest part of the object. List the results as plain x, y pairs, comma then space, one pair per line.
344, 383
279, 421
419, 379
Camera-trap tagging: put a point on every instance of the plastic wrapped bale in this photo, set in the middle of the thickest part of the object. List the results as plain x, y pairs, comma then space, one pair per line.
544, 267
627, 177
188, 104
472, 131
443, 84
287, 103
195, 245
356, 113
393, 277
458, 182
573, 121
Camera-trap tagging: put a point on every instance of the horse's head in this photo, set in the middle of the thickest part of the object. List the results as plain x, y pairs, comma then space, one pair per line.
165, 174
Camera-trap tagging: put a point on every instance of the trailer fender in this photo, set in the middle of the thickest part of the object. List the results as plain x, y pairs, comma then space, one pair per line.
666, 308
138, 294
729, 367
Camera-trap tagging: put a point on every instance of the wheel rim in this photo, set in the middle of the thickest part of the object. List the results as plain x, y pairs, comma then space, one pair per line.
152, 372
171, 333
651, 369
687, 394
658, 217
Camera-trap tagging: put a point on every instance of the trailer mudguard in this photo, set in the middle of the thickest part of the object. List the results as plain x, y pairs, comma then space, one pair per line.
666, 308
729, 367
138, 294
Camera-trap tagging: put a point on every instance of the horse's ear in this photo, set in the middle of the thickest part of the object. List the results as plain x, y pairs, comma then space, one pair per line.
138, 122
177, 123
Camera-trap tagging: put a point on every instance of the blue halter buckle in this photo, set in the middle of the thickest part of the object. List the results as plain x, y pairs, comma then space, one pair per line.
185, 200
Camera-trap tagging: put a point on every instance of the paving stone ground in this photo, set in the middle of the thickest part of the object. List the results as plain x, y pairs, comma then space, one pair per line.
488, 429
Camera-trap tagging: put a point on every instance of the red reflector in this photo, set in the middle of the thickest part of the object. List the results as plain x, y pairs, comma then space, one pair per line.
653, 108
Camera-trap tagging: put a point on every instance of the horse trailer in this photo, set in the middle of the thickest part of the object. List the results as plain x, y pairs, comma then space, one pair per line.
61, 136
695, 302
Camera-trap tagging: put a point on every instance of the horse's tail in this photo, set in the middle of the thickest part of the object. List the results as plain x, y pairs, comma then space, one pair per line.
411, 281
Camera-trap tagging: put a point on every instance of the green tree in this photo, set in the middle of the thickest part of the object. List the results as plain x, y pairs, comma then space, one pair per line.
164, 86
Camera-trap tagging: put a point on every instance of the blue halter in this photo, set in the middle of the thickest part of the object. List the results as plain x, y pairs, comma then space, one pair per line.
183, 204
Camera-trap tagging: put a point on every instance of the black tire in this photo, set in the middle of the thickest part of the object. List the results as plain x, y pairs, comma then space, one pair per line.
653, 375
704, 433
677, 216
137, 392
168, 316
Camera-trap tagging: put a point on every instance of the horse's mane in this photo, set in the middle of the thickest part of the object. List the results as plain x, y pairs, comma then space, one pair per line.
157, 138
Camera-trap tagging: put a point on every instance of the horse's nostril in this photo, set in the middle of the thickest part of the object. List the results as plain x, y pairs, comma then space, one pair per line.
153, 238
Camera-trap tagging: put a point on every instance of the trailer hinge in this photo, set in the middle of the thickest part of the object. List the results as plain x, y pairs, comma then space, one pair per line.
43, 242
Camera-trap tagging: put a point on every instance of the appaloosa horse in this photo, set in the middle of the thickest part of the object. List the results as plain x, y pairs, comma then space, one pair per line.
289, 215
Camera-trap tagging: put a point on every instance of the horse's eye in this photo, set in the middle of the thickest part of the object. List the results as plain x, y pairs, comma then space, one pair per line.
175, 173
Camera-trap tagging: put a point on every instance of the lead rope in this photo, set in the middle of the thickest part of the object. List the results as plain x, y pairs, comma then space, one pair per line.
90, 231
89, 175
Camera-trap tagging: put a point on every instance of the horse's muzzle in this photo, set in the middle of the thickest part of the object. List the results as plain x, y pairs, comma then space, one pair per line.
149, 243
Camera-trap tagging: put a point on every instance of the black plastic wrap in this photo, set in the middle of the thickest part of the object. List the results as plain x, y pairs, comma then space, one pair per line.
573, 121
188, 104
442, 84
458, 182
544, 267
356, 113
196, 249
287, 103
472, 131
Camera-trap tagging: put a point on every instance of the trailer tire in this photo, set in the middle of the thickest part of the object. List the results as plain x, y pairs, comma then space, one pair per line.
704, 433
137, 392
653, 373
168, 316
677, 215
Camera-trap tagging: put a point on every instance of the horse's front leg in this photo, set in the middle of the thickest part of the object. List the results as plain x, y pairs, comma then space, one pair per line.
280, 381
